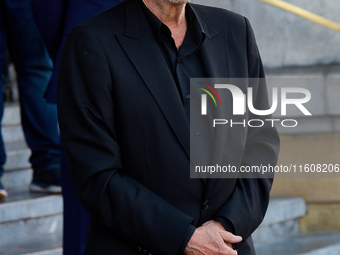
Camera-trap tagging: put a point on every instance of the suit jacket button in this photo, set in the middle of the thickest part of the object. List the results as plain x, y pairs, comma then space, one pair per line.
206, 205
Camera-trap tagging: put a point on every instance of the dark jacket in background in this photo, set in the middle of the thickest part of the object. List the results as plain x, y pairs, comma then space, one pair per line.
55, 19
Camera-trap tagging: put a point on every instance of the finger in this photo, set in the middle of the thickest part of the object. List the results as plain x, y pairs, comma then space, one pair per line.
229, 251
234, 252
230, 238
229, 244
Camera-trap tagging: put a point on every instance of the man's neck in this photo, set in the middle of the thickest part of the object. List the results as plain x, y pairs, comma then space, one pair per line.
172, 15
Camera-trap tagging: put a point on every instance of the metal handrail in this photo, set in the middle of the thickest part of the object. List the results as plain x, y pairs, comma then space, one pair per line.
304, 14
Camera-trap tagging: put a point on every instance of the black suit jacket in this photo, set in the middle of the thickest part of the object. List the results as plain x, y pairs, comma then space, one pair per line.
126, 134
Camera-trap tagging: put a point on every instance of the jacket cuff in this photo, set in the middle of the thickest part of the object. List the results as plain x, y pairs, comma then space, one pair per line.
228, 226
190, 231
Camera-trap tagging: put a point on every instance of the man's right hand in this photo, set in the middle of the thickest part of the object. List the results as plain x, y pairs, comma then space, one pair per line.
212, 239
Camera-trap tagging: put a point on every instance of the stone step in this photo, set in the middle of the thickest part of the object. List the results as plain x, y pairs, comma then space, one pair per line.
17, 155
11, 115
24, 214
12, 133
38, 245
17, 179
30, 223
10, 124
58, 251
15, 145
281, 220
303, 244
17, 167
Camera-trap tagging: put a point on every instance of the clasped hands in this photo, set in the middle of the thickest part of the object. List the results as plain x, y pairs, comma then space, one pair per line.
212, 239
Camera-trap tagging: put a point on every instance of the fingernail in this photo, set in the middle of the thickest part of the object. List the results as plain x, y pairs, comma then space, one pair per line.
238, 238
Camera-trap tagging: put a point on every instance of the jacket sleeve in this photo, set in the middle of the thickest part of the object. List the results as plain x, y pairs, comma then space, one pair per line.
87, 124
247, 206
49, 17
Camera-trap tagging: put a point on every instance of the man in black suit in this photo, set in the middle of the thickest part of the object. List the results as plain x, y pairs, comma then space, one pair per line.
123, 100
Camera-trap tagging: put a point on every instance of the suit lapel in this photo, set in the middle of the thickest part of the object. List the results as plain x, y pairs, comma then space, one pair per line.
216, 64
141, 47
217, 67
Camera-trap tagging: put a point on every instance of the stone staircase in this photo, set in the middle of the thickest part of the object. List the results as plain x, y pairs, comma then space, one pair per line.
30, 223
279, 232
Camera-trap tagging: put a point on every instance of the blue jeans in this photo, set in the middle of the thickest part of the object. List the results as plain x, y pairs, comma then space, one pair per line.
34, 69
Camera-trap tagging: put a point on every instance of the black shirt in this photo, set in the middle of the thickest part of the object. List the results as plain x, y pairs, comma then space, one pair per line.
184, 63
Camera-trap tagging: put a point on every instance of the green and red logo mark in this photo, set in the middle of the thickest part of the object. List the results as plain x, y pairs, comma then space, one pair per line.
210, 94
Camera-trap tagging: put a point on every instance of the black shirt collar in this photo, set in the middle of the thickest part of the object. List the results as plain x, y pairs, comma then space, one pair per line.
160, 30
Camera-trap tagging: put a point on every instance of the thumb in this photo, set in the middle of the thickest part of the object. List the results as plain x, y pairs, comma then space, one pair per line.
230, 238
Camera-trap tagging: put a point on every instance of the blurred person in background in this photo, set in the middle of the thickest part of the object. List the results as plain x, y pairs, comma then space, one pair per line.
19, 33
55, 19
